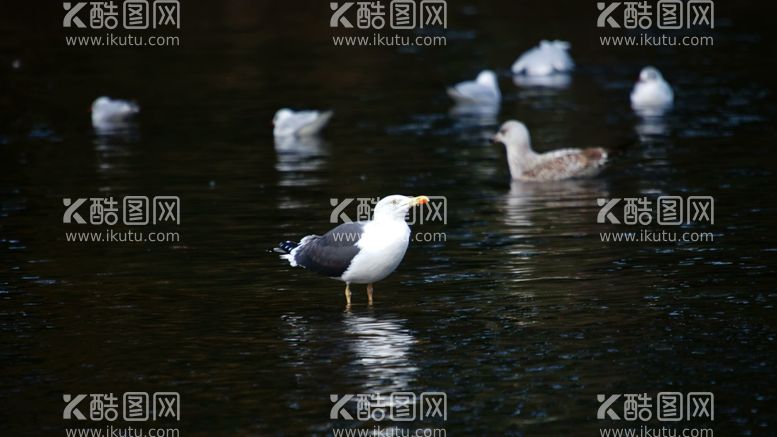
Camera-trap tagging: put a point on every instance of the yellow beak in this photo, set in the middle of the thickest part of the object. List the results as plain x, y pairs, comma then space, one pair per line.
419, 200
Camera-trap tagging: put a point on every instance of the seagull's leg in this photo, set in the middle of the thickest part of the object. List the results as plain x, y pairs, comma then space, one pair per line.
347, 293
369, 294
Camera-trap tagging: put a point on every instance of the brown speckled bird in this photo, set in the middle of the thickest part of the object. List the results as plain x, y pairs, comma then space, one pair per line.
528, 165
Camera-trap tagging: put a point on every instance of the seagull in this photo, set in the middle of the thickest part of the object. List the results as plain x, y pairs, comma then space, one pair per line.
555, 81
651, 91
528, 165
299, 123
548, 58
483, 90
358, 252
107, 111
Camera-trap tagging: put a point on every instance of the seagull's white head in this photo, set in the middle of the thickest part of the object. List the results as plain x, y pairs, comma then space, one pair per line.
396, 206
282, 114
514, 135
488, 78
649, 74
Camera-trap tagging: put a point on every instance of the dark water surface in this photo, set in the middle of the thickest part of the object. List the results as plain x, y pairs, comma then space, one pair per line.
522, 316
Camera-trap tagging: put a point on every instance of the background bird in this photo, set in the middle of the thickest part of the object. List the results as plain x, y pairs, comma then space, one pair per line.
651, 90
528, 165
547, 58
106, 111
300, 123
361, 252
483, 90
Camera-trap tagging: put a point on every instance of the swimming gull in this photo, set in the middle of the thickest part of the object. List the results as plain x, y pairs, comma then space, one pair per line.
548, 58
651, 91
107, 111
299, 123
483, 90
528, 165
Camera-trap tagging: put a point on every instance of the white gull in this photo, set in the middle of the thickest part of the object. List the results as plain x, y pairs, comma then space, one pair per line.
483, 90
300, 123
107, 111
651, 91
550, 57
360, 252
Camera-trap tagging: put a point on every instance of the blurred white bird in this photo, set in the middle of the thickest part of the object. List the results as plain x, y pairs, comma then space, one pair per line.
651, 91
528, 165
556, 81
483, 90
547, 58
107, 111
299, 123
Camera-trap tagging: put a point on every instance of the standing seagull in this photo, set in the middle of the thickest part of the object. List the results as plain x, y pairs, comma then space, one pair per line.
528, 165
548, 58
651, 91
483, 90
360, 252
299, 123
107, 111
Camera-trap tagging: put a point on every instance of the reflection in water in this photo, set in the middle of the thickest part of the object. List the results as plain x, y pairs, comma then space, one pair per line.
111, 142
558, 80
297, 334
476, 114
652, 121
381, 350
481, 118
298, 157
646, 111
42, 131
562, 200
651, 126
537, 214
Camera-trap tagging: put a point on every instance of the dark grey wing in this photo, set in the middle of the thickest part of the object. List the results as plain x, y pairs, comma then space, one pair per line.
331, 253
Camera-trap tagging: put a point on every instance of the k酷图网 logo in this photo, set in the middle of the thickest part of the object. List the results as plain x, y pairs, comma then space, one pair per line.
665, 210
663, 407
132, 15
120, 23
665, 14
130, 406
427, 17
395, 406
132, 210
436, 210
402, 14
685, 23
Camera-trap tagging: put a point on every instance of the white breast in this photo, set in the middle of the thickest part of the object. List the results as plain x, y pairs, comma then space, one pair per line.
653, 93
381, 249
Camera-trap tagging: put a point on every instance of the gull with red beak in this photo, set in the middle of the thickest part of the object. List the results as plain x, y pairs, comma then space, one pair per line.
358, 252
